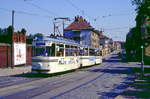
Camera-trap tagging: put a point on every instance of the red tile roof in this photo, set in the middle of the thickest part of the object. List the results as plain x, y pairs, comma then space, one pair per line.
79, 24
102, 36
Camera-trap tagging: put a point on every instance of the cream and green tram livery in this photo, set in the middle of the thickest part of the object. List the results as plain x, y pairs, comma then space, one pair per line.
53, 55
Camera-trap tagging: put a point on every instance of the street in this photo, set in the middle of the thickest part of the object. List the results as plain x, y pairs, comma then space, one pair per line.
103, 81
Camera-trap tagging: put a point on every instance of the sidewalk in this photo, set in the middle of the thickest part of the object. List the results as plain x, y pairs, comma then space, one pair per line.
15, 70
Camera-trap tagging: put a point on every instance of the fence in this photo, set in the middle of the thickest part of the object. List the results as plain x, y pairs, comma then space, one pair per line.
6, 57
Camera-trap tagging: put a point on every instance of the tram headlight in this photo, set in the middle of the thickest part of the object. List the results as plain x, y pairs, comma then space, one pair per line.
36, 65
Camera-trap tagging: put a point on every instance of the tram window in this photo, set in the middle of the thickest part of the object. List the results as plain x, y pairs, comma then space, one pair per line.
92, 52
81, 52
77, 51
86, 52
52, 51
44, 50
71, 50
67, 52
97, 53
60, 50
39, 51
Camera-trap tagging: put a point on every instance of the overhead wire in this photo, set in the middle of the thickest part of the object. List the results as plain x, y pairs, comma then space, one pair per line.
26, 13
43, 9
118, 28
78, 9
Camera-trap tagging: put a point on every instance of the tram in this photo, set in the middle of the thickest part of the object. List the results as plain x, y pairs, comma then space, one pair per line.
53, 55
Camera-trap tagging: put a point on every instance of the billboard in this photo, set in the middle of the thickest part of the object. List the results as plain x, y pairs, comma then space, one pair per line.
19, 53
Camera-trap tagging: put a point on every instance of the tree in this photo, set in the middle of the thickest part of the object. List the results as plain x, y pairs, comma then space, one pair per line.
136, 37
6, 35
133, 43
39, 35
137, 2
23, 31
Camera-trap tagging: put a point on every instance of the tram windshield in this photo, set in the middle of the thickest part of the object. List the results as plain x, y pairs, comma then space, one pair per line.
44, 50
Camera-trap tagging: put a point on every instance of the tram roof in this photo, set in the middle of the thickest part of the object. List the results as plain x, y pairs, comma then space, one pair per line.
58, 40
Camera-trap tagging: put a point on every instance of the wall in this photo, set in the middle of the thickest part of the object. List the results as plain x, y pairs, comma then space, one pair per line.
29, 55
5, 54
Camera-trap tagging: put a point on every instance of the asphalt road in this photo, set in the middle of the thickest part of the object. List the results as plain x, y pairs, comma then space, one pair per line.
103, 81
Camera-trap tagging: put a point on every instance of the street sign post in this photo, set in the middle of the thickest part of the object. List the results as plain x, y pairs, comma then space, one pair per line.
142, 61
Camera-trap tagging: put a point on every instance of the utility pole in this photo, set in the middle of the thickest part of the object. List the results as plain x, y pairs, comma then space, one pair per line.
54, 28
63, 26
13, 12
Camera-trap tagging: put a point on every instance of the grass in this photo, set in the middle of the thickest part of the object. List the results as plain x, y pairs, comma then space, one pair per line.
140, 88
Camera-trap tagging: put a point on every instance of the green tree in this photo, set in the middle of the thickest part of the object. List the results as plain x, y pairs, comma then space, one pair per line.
23, 31
6, 35
136, 37
39, 35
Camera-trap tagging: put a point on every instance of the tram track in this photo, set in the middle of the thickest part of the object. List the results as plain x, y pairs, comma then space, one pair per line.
15, 80
50, 85
57, 82
79, 86
47, 86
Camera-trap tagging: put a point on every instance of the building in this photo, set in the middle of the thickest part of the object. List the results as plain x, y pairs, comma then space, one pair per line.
105, 43
82, 32
117, 45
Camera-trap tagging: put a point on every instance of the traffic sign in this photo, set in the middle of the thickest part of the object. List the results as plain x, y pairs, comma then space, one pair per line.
142, 46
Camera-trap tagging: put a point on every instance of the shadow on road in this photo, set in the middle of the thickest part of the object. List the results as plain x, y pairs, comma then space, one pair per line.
113, 71
114, 58
41, 75
117, 90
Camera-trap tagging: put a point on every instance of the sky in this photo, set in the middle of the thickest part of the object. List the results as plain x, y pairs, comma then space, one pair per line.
114, 17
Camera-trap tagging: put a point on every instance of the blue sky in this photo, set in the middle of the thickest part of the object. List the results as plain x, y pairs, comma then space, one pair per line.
115, 17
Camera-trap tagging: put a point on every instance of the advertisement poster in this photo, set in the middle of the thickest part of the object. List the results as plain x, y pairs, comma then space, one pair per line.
19, 53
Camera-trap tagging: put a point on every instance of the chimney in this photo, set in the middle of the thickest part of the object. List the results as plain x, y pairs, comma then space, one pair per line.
76, 18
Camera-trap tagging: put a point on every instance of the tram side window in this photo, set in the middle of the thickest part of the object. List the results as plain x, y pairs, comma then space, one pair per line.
77, 51
71, 50
86, 52
92, 52
52, 51
67, 52
60, 50
97, 53
81, 52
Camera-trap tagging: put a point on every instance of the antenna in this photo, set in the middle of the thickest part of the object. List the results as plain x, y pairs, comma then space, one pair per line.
56, 25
